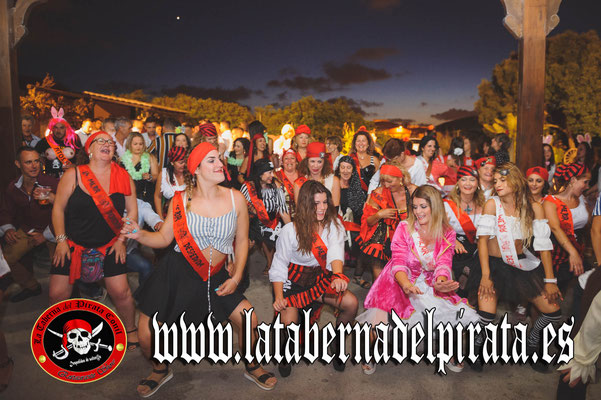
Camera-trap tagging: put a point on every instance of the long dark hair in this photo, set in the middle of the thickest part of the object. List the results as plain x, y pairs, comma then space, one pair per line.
424, 142
552, 161
305, 221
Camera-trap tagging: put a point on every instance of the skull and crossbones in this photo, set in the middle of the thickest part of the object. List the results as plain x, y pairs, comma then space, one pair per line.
77, 336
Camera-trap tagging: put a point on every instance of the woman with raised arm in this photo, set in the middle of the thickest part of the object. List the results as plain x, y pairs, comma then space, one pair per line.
508, 270
385, 208
567, 214
205, 219
307, 269
88, 207
317, 167
463, 208
418, 276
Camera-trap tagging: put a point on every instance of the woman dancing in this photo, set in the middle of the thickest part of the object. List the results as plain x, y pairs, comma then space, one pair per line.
205, 219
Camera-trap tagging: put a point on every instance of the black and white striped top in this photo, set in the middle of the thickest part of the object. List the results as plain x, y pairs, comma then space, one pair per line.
273, 198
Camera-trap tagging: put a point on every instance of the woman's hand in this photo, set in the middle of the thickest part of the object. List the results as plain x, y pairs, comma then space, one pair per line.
120, 251
411, 289
459, 248
62, 250
130, 229
387, 213
279, 304
443, 285
486, 289
552, 293
227, 287
147, 176
576, 264
339, 285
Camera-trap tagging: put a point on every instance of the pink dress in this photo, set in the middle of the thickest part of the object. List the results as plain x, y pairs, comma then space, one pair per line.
386, 294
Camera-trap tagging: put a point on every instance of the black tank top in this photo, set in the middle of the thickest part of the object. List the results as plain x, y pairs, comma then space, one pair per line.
83, 222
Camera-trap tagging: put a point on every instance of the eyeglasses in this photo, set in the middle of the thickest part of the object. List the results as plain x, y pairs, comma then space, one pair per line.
503, 172
102, 142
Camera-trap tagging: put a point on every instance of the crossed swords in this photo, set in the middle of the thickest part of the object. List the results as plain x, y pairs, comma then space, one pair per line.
64, 352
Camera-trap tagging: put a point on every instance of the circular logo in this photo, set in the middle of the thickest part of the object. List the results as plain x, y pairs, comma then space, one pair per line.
78, 341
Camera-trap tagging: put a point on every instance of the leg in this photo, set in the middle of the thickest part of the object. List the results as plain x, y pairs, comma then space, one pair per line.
60, 289
348, 306
487, 309
21, 265
268, 255
376, 269
254, 371
118, 288
136, 262
145, 388
359, 270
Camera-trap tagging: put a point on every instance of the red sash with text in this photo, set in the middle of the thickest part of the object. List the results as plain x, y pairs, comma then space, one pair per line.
567, 225
289, 186
300, 181
57, 150
111, 216
260, 207
464, 220
186, 242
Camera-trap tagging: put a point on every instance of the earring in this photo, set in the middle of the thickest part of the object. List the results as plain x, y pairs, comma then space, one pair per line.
90, 156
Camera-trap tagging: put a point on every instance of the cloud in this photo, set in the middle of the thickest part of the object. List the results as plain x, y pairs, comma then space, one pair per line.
356, 105
283, 96
288, 71
382, 4
453, 114
373, 53
304, 83
349, 73
216, 93
423, 104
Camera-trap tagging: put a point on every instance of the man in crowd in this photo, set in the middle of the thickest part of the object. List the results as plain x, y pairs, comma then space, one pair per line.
25, 218
96, 125
59, 147
29, 139
150, 127
226, 136
122, 130
162, 144
108, 125
85, 131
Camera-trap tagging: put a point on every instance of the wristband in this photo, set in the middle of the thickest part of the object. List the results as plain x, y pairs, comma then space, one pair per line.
61, 238
550, 280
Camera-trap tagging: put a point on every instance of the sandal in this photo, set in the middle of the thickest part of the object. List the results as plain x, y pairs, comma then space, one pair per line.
154, 385
259, 381
368, 368
9, 363
454, 366
133, 345
361, 282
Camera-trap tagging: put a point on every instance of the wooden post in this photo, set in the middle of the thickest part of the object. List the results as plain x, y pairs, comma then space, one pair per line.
12, 29
530, 21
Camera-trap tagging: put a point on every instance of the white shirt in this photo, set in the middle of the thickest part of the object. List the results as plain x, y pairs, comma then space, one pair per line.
286, 251
454, 222
417, 173
145, 214
147, 140
83, 137
226, 139
119, 148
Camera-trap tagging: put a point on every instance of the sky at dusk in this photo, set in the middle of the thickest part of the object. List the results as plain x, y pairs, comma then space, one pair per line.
411, 59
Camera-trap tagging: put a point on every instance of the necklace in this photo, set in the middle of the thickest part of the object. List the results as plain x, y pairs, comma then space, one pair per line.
136, 175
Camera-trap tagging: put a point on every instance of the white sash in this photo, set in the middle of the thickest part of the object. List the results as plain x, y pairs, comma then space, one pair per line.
426, 257
507, 244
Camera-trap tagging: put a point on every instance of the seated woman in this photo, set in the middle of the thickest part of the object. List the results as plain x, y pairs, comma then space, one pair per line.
508, 270
307, 268
463, 209
538, 184
418, 275
317, 167
205, 220
384, 209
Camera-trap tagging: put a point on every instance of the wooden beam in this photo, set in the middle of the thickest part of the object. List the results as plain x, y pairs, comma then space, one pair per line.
20, 13
531, 95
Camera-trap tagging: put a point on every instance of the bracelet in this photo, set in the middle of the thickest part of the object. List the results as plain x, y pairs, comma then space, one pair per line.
550, 280
61, 238
237, 283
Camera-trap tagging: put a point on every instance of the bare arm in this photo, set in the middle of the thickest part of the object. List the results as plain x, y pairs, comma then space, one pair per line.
155, 240
66, 186
241, 249
336, 192
550, 213
154, 167
552, 291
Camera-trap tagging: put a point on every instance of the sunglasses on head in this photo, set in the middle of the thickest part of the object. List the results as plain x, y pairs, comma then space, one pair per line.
503, 172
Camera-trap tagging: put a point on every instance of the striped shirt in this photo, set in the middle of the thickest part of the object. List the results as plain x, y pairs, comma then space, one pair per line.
160, 148
218, 232
273, 198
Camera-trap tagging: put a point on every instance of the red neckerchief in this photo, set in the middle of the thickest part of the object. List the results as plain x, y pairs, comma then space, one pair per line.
186, 242
260, 207
464, 220
58, 151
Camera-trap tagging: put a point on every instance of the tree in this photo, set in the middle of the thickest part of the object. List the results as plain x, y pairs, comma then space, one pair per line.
572, 84
214, 110
323, 117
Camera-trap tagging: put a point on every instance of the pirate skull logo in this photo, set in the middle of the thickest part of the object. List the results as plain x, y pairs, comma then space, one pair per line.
77, 336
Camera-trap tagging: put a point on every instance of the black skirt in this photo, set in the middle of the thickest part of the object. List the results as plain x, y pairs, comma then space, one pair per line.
464, 263
511, 284
174, 287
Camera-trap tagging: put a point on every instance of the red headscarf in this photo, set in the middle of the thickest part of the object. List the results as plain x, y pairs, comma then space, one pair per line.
207, 129
391, 170
92, 138
481, 162
198, 154
119, 175
302, 129
542, 172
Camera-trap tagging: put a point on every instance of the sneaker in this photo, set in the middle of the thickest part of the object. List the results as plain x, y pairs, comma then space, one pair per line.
25, 294
454, 366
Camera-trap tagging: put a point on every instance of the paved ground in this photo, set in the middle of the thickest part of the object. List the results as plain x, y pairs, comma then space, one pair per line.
227, 381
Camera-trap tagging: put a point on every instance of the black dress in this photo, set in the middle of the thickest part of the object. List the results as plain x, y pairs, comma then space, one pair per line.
144, 188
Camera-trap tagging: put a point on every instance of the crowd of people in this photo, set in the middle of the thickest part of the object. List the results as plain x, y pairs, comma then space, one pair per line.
460, 231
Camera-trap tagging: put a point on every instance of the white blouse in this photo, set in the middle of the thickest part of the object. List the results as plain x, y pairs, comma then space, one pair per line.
286, 251
580, 214
541, 231
454, 222
167, 188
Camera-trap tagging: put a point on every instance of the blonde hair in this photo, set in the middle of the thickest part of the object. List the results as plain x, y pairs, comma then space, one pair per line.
439, 224
521, 197
479, 199
406, 180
